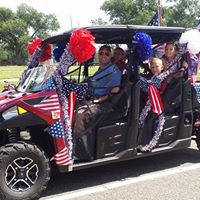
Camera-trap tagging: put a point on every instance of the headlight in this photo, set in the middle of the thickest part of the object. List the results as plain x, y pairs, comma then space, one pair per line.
11, 112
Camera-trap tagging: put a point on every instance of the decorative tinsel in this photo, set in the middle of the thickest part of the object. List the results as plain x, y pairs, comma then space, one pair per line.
46, 49
81, 47
144, 46
154, 141
66, 60
34, 59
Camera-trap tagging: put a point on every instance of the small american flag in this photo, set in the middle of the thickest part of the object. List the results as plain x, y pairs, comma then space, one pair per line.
154, 21
62, 157
155, 100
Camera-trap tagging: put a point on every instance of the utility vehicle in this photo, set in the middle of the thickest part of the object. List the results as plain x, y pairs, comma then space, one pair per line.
28, 111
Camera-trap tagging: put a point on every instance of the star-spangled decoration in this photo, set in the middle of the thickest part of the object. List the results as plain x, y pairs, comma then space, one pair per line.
79, 89
197, 89
56, 129
48, 84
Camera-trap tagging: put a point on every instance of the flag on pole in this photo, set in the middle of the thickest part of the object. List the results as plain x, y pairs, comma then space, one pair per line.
157, 18
159, 14
154, 21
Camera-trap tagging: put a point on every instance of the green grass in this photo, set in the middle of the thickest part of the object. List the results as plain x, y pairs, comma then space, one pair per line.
10, 72
14, 72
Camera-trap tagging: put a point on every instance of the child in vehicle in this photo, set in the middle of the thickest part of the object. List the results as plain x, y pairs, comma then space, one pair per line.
169, 60
156, 68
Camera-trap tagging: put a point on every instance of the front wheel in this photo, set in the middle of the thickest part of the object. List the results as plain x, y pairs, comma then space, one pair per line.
24, 172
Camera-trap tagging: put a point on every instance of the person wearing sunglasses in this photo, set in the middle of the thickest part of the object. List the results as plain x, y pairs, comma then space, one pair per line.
101, 86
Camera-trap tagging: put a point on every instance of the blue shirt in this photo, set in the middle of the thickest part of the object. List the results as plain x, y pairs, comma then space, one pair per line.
102, 82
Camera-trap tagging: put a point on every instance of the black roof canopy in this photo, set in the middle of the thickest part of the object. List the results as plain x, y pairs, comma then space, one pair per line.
123, 34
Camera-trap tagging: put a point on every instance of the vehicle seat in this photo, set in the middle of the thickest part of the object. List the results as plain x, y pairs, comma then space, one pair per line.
172, 96
120, 103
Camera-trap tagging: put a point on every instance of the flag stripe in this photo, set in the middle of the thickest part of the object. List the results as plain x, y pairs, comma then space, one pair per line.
62, 157
155, 100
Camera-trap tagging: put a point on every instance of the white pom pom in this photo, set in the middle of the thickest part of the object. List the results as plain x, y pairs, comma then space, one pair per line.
192, 38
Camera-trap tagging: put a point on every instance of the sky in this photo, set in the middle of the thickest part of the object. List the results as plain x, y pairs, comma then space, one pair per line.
70, 13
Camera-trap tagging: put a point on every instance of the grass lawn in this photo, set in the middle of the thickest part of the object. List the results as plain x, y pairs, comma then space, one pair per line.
9, 72
14, 72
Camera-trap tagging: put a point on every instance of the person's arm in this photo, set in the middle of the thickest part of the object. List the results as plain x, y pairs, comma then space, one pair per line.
114, 90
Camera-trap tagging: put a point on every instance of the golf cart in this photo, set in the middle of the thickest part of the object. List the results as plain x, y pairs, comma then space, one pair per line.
32, 114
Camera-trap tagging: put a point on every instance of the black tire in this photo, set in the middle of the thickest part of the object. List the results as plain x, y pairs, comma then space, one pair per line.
24, 171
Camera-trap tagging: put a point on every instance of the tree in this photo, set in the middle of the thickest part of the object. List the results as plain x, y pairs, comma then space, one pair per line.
139, 12
184, 13
130, 11
17, 29
98, 21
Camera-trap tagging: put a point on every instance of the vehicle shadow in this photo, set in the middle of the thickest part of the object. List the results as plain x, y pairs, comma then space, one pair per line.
66, 182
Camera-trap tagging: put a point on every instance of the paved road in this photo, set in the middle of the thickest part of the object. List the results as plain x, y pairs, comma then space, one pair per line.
170, 176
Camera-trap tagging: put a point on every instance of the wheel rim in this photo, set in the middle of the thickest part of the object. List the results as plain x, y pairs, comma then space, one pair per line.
21, 174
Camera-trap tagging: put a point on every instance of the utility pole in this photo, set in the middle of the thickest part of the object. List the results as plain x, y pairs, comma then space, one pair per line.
159, 14
71, 24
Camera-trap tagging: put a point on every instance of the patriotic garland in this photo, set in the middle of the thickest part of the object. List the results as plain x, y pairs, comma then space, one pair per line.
66, 60
80, 47
144, 51
156, 81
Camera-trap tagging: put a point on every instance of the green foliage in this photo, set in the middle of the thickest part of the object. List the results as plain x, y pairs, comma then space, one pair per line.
17, 29
130, 11
98, 21
183, 13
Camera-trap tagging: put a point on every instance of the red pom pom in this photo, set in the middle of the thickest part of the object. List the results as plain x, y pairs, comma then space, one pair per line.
46, 53
81, 45
32, 46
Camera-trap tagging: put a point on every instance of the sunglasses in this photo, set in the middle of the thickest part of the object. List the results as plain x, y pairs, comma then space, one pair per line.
104, 53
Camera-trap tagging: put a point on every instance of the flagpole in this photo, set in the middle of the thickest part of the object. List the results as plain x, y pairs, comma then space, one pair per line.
159, 14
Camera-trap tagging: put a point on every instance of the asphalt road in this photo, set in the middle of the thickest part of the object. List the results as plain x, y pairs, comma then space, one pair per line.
169, 176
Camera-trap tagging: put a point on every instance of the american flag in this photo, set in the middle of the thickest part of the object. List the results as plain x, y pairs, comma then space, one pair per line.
50, 104
155, 100
62, 157
154, 21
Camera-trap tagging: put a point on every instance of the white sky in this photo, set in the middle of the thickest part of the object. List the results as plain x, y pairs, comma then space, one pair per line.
81, 11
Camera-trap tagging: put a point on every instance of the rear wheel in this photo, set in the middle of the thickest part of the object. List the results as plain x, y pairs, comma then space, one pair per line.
24, 172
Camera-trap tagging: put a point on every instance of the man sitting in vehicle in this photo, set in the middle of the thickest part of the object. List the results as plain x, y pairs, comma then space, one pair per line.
103, 84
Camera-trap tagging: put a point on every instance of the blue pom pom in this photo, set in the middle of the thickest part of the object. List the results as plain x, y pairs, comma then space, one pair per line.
144, 49
58, 51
